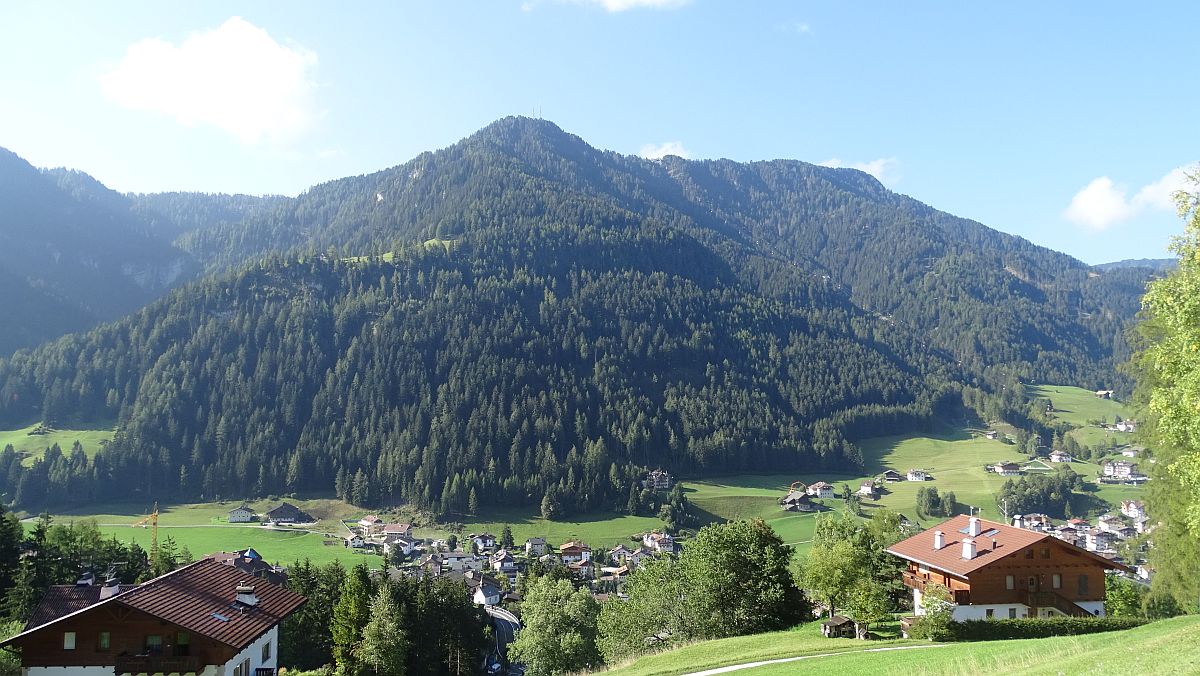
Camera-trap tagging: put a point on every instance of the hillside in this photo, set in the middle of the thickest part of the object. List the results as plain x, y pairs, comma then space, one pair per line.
550, 318
1160, 647
74, 255
1156, 264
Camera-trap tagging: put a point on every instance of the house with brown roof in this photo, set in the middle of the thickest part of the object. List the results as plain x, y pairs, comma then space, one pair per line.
288, 513
572, 552
203, 618
997, 571
821, 489
797, 501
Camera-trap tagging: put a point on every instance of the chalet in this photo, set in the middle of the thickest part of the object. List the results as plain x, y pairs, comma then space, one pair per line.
867, 489
637, 556
288, 513
658, 480
484, 540
356, 541
1134, 509
1142, 525
659, 542
485, 591
403, 530
918, 475
821, 489
1104, 394
1126, 532
1061, 456
460, 561
619, 553
995, 570
838, 627
572, 552
243, 514
370, 525
1126, 426
535, 546
1119, 469
203, 618
891, 476
991, 434
1006, 468
1109, 522
797, 501
391, 544
503, 562
1096, 540
581, 570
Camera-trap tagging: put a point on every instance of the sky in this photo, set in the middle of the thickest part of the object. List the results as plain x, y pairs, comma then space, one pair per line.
1067, 123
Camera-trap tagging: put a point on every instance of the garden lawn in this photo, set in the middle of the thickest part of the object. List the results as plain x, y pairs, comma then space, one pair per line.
803, 640
1163, 647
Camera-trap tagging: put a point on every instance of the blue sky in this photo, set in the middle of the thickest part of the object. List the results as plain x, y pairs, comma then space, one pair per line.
1065, 123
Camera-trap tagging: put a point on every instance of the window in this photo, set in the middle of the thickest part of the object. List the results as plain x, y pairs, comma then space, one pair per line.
266, 654
182, 643
990, 613
1045, 553
1083, 585
1012, 613
1010, 582
154, 644
1056, 580
105, 640
68, 640
1029, 553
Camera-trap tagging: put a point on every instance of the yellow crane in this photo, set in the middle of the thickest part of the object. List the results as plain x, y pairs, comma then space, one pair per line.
152, 520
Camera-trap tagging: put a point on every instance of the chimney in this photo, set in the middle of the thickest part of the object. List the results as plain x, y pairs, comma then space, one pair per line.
968, 548
939, 539
994, 544
111, 587
973, 526
245, 595
1018, 521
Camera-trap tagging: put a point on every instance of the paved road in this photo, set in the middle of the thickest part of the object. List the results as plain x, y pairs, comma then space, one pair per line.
507, 625
751, 665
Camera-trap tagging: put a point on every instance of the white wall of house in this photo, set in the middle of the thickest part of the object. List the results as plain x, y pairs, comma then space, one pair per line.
999, 611
253, 652
1094, 607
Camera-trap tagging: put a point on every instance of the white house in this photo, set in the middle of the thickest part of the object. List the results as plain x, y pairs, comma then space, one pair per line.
394, 543
484, 540
1134, 509
487, 591
917, 475
1130, 452
1120, 469
243, 514
1007, 468
356, 541
535, 546
659, 542
1061, 456
821, 489
573, 552
371, 524
1109, 522
867, 488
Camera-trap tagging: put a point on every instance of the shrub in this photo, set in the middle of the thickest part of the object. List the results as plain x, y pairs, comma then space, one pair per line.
1031, 627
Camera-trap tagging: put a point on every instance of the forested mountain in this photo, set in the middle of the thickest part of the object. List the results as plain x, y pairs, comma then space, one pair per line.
73, 254
1155, 264
549, 319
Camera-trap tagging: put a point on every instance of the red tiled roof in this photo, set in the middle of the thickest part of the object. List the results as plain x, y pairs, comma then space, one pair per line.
200, 598
64, 599
995, 541
197, 596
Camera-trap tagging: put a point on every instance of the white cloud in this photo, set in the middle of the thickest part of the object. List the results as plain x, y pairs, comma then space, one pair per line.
884, 169
797, 27
615, 5
235, 77
1102, 203
653, 151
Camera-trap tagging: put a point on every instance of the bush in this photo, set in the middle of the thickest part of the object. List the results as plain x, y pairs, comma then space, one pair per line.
1031, 627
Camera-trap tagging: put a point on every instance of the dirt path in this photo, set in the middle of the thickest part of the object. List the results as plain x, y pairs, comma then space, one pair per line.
784, 660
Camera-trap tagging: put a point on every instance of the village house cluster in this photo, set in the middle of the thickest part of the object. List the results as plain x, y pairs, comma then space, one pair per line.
1103, 537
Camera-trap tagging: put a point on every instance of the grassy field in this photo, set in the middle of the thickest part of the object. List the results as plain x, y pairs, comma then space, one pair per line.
1077, 406
1164, 647
803, 640
35, 445
955, 461
598, 530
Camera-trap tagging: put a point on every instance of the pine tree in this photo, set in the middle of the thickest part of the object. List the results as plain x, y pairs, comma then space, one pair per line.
384, 645
350, 615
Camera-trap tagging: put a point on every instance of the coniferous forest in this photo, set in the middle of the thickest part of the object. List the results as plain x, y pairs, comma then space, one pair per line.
526, 319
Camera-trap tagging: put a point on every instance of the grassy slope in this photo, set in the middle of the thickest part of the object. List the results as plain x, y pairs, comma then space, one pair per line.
35, 445
803, 640
1077, 406
1165, 647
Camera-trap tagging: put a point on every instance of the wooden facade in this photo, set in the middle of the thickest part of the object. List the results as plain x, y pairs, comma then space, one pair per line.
130, 640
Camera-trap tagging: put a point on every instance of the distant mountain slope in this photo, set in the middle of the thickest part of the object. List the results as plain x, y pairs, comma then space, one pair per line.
1156, 264
554, 318
995, 301
73, 254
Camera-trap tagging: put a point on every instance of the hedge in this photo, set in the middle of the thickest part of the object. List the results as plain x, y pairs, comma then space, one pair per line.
1032, 627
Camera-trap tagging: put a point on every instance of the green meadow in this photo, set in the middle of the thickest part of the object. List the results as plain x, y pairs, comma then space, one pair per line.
1077, 406
34, 445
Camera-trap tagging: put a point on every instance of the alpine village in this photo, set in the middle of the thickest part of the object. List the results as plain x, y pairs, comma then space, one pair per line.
525, 405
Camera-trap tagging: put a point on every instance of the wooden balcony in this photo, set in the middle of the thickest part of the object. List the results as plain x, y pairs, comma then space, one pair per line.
157, 664
960, 597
